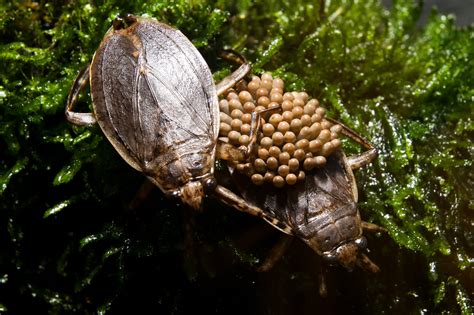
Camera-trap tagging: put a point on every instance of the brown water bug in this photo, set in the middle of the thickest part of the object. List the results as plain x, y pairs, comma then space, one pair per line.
321, 208
155, 100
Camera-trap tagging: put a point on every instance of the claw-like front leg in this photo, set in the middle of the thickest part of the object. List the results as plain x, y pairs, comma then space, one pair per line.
359, 160
81, 119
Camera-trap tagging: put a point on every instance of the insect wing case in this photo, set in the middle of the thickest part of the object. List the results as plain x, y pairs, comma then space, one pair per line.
321, 210
155, 100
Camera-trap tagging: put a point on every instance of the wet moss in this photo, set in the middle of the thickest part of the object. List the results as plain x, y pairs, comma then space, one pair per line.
70, 243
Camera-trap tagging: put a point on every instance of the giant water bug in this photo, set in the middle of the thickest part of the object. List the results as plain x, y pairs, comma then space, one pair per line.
321, 211
155, 100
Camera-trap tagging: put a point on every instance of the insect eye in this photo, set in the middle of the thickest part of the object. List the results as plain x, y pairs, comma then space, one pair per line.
330, 258
175, 194
123, 22
361, 243
209, 184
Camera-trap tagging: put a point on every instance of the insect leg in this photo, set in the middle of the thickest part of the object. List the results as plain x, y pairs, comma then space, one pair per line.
231, 199
235, 76
359, 160
372, 227
276, 253
81, 119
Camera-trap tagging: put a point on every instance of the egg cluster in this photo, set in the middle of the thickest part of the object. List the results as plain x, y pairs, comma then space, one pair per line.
293, 138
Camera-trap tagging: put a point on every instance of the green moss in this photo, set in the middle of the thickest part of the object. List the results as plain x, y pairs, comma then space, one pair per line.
70, 243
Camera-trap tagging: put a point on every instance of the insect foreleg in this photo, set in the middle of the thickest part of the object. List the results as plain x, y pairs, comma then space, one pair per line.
235, 76
81, 119
359, 160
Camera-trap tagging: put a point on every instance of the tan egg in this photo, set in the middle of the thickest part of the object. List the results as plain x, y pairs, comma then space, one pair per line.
234, 136
245, 96
320, 161
309, 109
224, 106
301, 176
266, 142
296, 125
274, 151
276, 97
261, 92
266, 84
244, 140
316, 118
266, 76
303, 96
236, 113
272, 163
253, 86
224, 129
236, 124
246, 118
334, 135
259, 108
291, 179
304, 133
273, 105
302, 144
268, 129
283, 126
268, 177
284, 158
249, 107
260, 165
263, 153
320, 111
283, 170
287, 105
299, 154
293, 164
324, 136
305, 120
313, 102
245, 129
297, 102
277, 90
232, 95
297, 110
326, 124
288, 96
278, 83
290, 148
336, 128
278, 181
263, 101
275, 119
309, 164
225, 118
336, 143
257, 179
327, 149
235, 104
315, 146
314, 130
289, 137
287, 116
278, 138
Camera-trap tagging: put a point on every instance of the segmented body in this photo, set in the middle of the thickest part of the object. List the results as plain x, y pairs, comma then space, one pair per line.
155, 100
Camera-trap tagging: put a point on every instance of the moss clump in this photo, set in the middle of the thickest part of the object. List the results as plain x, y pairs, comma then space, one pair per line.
71, 244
